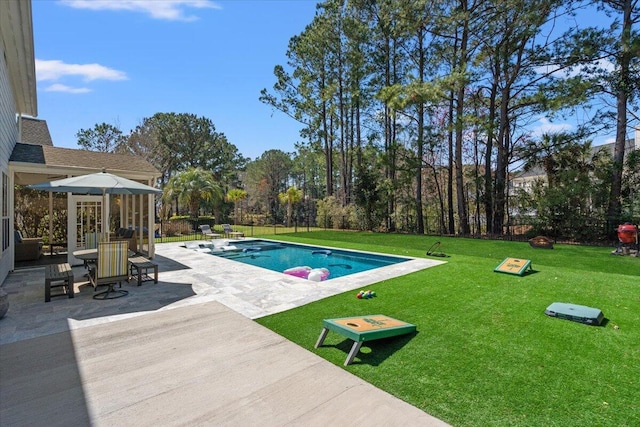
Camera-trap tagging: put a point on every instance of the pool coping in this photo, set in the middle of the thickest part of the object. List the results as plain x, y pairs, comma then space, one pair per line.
257, 292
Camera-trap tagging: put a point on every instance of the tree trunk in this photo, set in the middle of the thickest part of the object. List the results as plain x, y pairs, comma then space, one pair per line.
624, 84
463, 226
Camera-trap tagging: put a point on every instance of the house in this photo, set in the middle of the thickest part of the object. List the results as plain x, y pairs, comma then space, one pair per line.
28, 156
524, 181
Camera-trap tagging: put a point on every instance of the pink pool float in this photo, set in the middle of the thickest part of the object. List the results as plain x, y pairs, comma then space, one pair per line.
306, 272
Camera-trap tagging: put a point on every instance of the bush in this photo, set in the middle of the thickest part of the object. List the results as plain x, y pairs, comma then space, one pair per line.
331, 215
174, 227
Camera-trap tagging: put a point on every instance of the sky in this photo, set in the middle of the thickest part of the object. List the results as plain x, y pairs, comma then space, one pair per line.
121, 61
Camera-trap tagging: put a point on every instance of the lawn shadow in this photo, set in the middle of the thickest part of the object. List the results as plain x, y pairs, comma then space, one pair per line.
374, 352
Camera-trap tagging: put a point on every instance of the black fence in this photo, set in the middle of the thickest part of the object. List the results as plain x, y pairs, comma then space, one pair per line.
185, 229
590, 232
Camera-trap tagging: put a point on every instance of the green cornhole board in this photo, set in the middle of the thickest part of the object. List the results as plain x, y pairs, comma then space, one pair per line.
515, 266
364, 328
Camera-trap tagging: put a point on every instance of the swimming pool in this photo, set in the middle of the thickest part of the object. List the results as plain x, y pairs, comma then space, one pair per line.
281, 256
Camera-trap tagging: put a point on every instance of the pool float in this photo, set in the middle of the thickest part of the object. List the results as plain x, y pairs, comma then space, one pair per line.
306, 272
318, 274
322, 252
198, 247
302, 271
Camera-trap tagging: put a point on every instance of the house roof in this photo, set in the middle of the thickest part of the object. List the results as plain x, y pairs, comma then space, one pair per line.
37, 163
34, 131
69, 157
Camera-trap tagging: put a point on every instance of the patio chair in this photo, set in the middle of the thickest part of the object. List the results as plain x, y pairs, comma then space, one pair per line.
228, 231
26, 249
112, 267
208, 232
90, 240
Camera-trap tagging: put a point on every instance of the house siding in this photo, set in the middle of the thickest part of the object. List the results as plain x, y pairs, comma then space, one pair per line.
8, 138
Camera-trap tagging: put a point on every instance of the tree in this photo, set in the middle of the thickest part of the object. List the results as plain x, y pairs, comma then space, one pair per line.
192, 187
625, 86
266, 177
290, 198
367, 194
574, 194
103, 137
236, 195
175, 142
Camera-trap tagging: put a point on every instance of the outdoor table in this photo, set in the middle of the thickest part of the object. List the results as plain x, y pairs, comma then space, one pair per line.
55, 273
364, 328
54, 245
139, 267
86, 255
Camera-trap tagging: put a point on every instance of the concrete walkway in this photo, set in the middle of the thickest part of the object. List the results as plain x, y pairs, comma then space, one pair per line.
172, 354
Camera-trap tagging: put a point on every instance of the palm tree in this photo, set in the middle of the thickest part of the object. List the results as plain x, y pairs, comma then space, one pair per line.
192, 187
291, 196
236, 195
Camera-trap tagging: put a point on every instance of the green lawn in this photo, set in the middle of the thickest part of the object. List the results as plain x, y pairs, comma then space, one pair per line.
485, 354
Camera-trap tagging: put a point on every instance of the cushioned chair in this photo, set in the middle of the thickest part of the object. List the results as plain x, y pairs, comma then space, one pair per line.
208, 232
228, 231
128, 235
111, 268
90, 240
26, 249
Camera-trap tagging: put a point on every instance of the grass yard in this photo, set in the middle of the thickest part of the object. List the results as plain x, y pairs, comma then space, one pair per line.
485, 354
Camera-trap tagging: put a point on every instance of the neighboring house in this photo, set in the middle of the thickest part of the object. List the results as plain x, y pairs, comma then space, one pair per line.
524, 181
27, 154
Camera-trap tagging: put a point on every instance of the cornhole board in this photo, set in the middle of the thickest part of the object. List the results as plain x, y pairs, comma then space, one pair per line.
515, 266
364, 328
575, 313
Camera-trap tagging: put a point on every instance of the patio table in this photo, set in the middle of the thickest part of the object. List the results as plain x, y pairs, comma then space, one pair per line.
86, 255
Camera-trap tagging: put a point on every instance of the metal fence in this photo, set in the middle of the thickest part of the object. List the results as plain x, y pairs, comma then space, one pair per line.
185, 230
590, 232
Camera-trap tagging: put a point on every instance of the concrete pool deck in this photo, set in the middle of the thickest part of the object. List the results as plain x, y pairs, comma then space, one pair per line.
172, 354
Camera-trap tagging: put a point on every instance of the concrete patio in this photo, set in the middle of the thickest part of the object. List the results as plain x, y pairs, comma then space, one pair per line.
181, 352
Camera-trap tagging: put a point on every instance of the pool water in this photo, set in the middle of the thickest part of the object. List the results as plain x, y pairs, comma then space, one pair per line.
280, 256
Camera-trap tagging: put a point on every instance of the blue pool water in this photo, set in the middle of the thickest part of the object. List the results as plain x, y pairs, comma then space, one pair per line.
279, 256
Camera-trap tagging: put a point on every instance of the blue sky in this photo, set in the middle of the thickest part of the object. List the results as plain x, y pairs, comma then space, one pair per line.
121, 61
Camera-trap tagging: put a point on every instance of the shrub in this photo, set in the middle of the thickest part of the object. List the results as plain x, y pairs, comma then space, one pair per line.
174, 227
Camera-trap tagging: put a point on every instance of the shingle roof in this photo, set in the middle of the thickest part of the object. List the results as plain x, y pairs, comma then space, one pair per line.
68, 157
35, 131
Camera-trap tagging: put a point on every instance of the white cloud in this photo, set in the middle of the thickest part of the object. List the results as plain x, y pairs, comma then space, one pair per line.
56, 69
171, 10
546, 127
601, 64
57, 87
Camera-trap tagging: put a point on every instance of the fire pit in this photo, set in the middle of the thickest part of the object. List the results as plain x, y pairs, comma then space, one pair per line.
541, 242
